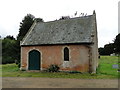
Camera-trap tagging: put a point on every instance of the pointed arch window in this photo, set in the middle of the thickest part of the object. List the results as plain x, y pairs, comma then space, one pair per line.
66, 54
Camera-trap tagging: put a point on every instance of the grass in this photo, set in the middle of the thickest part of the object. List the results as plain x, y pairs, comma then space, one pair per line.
105, 66
104, 71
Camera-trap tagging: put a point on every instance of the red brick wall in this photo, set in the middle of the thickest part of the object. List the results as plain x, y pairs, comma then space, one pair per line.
79, 57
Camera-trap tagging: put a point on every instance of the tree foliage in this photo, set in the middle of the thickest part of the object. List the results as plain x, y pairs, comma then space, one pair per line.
9, 37
107, 50
8, 54
117, 44
25, 26
111, 47
101, 50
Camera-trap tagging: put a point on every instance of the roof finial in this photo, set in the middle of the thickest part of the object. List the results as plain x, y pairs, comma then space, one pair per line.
94, 12
75, 13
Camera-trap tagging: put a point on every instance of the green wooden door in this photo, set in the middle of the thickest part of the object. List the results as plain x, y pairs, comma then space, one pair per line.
34, 60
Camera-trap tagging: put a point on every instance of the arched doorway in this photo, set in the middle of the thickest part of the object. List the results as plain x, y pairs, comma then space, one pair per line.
34, 60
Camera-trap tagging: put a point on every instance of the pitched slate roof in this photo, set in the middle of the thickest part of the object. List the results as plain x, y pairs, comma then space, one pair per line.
73, 30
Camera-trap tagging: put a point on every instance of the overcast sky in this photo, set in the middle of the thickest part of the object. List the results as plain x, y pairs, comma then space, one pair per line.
13, 11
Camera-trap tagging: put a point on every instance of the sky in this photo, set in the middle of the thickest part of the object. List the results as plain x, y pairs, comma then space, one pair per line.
13, 11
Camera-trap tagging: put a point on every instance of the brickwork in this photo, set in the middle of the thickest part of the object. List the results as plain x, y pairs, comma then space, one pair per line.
78, 57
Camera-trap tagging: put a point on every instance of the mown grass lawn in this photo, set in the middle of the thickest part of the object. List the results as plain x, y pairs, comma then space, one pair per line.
104, 71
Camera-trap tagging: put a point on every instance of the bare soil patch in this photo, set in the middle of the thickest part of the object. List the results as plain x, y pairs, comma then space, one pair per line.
32, 82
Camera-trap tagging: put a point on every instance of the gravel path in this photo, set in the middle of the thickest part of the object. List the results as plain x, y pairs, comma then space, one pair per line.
30, 82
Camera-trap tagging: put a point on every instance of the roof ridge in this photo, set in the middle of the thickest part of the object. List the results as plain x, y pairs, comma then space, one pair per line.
68, 19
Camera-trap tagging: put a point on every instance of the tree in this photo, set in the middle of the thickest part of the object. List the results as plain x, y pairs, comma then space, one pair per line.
25, 25
9, 37
101, 51
117, 44
107, 50
8, 54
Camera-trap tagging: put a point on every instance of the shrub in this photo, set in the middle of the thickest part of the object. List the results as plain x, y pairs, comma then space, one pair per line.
53, 68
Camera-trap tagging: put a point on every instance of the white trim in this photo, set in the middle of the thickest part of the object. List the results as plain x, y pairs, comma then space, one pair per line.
28, 58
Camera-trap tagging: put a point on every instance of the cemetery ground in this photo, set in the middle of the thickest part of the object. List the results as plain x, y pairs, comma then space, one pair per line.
105, 70
106, 77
